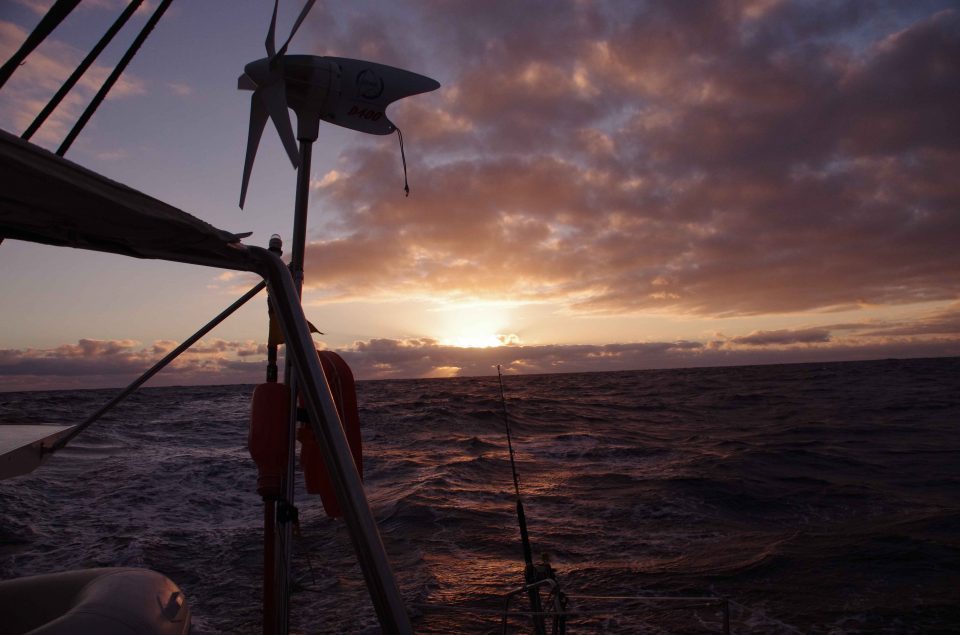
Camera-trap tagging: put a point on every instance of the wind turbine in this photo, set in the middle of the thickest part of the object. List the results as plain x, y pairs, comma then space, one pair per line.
339, 90
345, 92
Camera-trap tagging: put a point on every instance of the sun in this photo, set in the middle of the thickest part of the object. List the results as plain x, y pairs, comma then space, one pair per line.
474, 341
473, 325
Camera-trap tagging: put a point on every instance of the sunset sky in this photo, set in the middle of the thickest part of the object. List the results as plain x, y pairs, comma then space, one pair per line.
595, 186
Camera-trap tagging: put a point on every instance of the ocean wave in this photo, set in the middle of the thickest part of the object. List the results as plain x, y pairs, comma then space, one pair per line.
821, 497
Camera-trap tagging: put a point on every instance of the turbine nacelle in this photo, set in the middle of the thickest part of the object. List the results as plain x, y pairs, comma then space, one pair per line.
345, 92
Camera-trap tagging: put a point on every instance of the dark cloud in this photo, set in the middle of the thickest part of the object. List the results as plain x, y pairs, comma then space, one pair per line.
106, 363
386, 359
704, 158
784, 336
943, 322
103, 363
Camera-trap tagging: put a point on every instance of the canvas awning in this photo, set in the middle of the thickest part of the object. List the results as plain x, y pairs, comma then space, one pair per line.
47, 199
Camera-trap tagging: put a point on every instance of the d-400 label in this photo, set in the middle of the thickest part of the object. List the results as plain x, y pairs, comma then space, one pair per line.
365, 113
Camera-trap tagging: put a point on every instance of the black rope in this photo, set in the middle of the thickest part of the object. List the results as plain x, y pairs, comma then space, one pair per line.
114, 76
403, 158
53, 17
81, 69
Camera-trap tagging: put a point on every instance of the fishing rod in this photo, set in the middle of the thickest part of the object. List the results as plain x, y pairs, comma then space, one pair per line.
530, 572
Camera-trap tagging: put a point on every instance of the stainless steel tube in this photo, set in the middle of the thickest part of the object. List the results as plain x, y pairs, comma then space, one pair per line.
325, 422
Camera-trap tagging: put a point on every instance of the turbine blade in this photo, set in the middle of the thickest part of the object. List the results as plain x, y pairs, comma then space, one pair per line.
258, 120
245, 82
271, 45
296, 25
275, 100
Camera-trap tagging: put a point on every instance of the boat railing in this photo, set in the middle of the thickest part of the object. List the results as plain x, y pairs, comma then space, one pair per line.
560, 614
557, 613
324, 420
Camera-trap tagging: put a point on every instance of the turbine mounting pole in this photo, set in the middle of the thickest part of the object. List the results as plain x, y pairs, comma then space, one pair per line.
311, 86
301, 206
300, 214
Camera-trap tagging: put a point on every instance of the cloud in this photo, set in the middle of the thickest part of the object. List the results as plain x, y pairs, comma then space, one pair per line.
113, 155
40, 7
944, 321
710, 159
389, 358
424, 357
233, 282
784, 336
180, 89
94, 363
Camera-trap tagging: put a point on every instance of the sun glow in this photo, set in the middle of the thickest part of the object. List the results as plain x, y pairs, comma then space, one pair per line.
474, 325
474, 341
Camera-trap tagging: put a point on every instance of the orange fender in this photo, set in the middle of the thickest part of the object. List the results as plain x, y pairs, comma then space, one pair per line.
344, 390
268, 438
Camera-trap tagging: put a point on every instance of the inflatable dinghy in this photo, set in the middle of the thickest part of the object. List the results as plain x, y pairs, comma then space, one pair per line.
109, 601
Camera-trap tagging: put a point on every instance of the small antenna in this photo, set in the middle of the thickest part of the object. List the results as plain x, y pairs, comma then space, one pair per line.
529, 571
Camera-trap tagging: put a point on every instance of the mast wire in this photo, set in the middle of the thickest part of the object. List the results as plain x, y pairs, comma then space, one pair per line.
81, 69
187, 343
114, 76
54, 16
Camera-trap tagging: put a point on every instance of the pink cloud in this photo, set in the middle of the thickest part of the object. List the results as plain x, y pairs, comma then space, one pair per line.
388, 359
99, 363
704, 158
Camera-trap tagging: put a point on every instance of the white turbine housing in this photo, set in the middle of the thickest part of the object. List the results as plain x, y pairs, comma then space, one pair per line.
346, 92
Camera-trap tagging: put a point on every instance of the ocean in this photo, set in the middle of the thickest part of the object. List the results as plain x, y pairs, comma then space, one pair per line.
818, 498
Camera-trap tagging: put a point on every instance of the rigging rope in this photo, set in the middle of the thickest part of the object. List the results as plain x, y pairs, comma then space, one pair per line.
48, 23
187, 343
114, 76
81, 69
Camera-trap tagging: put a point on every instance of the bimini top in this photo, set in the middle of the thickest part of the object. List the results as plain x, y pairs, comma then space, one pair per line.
47, 199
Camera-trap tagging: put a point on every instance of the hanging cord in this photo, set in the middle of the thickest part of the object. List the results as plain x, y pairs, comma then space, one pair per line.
114, 76
403, 157
48, 23
81, 69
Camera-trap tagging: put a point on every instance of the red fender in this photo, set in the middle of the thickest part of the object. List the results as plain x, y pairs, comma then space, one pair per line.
344, 390
268, 437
